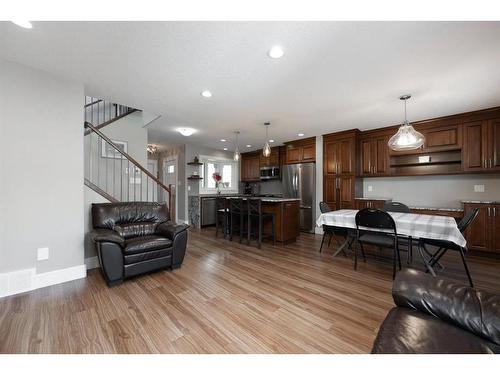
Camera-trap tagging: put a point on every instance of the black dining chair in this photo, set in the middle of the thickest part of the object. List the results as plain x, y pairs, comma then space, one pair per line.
404, 243
237, 216
376, 227
331, 230
222, 216
256, 220
443, 246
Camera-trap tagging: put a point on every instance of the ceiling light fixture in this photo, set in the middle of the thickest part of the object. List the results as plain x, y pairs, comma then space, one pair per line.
266, 151
271, 141
225, 148
406, 138
237, 154
152, 149
300, 134
248, 146
276, 52
186, 132
223, 140
206, 94
24, 24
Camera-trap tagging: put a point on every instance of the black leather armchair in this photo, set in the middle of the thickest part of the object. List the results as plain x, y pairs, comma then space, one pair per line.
435, 315
136, 237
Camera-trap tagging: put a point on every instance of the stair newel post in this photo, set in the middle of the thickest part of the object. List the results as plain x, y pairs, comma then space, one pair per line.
171, 201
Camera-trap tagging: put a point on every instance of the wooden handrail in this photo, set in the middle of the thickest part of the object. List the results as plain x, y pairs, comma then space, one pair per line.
92, 103
100, 126
127, 156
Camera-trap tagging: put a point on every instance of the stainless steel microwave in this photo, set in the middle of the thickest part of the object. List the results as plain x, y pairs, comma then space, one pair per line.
269, 173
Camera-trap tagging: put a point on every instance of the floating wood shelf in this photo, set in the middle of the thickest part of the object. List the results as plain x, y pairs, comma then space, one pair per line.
195, 178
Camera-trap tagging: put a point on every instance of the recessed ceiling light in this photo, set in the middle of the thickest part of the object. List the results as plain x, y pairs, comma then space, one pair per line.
300, 134
271, 141
249, 146
223, 140
225, 148
276, 52
186, 132
25, 24
206, 94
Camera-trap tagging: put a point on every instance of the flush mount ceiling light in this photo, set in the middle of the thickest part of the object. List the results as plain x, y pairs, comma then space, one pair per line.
152, 149
300, 134
225, 148
407, 138
186, 132
206, 94
24, 24
276, 52
237, 154
271, 141
223, 140
248, 146
266, 151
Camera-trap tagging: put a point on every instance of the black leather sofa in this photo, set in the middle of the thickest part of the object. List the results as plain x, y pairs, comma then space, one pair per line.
136, 237
434, 315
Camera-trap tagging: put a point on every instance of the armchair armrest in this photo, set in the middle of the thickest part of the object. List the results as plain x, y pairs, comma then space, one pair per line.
171, 229
107, 235
457, 304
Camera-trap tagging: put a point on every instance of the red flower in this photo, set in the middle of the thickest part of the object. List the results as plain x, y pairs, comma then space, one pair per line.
217, 177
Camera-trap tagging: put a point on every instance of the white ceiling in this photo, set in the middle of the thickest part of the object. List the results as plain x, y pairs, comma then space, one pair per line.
334, 75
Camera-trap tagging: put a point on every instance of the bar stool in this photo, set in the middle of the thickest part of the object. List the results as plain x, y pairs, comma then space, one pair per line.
222, 216
237, 215
255, 214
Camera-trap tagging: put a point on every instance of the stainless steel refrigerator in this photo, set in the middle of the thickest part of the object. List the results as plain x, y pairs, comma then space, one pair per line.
299, 181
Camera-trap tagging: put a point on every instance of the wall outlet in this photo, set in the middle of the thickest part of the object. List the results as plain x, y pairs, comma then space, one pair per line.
370, 188
42, 253
479, 188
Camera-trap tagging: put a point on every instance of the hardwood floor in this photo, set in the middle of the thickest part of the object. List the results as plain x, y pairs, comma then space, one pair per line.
226, 298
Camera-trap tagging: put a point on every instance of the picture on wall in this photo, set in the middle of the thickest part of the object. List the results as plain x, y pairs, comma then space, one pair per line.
109, 152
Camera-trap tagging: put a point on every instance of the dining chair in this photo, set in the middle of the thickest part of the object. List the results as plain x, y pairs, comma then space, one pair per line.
377, 227
404, 242
391, 206
222, 216
331, 230
256, 220
443, 246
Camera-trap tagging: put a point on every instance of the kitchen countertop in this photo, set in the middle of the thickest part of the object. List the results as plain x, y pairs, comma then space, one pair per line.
437, 209
482, 202
272, 199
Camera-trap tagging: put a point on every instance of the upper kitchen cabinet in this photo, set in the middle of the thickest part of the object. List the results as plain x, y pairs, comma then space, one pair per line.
300, 151
374, 158
481, 152
273, 160
339, 152
250, 167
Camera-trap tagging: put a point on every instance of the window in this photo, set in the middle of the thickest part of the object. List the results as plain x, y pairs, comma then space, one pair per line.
228, 169
171, 169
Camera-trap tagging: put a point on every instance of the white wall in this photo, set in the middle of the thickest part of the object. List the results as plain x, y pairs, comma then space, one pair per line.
41, 158
129, 129
433, 191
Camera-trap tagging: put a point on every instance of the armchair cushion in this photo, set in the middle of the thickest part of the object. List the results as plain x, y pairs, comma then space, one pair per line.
170, 229
107, 235
143, 244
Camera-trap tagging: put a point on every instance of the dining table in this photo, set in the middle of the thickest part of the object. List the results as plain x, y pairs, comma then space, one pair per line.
413, 226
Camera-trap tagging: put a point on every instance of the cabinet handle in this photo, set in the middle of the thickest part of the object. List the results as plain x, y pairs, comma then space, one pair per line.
491, 163
494, 211
489, 211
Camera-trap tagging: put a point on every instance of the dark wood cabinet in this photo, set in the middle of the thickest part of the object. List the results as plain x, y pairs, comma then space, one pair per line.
273, 160
374, 156
482, 234
369, 203
250, 167
442, 138
339, 169
481, 152
301, 151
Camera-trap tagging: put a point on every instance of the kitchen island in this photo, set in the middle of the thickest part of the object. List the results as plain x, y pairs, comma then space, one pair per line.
287, 217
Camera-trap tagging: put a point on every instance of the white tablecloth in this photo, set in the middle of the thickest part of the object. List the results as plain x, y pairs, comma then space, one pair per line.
414, 225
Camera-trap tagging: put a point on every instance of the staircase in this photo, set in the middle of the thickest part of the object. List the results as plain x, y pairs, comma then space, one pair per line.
109, 169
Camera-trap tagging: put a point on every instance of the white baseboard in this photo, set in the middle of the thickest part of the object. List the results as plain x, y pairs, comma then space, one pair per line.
92, 262
26, 280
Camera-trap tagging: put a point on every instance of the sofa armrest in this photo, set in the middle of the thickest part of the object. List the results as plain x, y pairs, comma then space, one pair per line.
171, 229
457, 304
107, 235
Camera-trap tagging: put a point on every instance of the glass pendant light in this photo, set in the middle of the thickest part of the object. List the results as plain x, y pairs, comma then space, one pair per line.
407, 138
237, 154
266, 151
